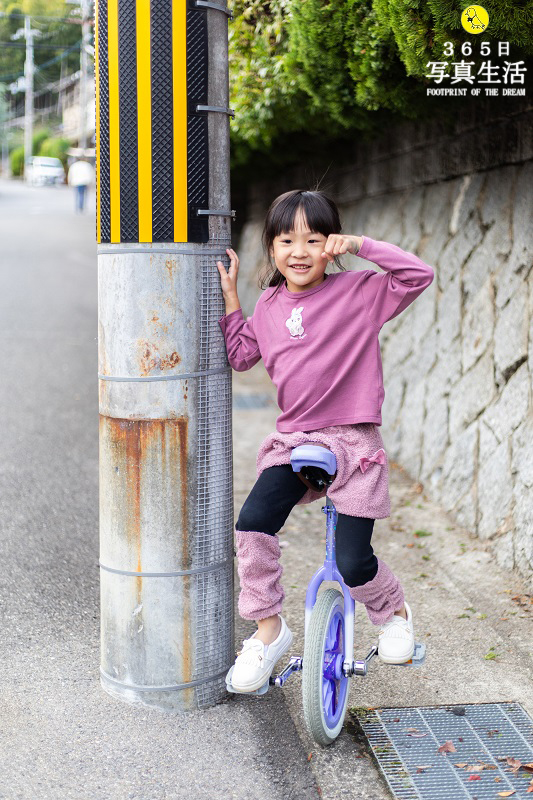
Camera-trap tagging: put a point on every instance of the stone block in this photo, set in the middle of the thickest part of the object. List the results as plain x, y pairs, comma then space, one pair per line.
465, 509
510, 336
465, 200
458, 250
394, 385
412, 417
495, 491
424, 308
449, 313
510, 410
471, 395
460, 466
504, 551
436, 207
400, 345
522, 454
523, 530
411, 210
478, 325
435, 434
521, 256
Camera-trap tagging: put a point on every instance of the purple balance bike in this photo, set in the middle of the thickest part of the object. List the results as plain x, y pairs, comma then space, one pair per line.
327, 663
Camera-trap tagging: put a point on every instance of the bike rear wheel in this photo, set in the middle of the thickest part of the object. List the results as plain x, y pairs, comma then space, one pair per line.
324, 685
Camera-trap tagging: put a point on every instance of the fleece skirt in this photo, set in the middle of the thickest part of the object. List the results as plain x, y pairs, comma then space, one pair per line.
361, 486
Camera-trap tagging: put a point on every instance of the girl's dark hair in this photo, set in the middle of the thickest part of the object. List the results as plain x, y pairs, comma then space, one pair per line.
321, 214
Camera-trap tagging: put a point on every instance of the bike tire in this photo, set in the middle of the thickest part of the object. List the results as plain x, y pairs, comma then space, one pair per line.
325, 698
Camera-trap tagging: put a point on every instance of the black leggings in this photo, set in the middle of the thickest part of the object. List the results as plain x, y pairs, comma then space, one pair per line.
274, 495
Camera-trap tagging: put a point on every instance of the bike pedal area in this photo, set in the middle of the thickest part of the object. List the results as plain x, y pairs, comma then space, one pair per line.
262, 689
417, 660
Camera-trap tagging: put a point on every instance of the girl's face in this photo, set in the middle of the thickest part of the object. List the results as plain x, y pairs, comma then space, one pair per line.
300, 247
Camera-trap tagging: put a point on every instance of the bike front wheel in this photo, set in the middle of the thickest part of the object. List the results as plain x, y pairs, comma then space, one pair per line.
324, 685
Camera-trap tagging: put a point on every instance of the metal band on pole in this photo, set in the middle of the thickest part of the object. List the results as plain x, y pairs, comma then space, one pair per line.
181, 377
173, 688
210, 568
207, 4
220, 109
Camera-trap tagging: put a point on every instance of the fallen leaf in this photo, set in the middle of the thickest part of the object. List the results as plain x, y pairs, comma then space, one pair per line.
528, 767
514, 763
474, 778
310, 756
410, 544
475, 768
421, 769
529, 790
492, 732
497, 780
506, 794
417, 735
462, 764
412, 730
447, 747
396, 720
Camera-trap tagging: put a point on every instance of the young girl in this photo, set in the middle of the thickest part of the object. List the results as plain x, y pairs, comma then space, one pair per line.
317, 334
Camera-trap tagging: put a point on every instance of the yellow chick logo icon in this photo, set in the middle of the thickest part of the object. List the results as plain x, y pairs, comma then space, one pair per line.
474, 19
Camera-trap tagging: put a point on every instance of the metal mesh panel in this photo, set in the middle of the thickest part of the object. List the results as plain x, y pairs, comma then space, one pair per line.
487, 733
197, 126
214, 514
162, 125
127, 68
103, 151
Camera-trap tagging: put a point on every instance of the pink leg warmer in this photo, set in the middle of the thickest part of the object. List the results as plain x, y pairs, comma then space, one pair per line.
259, 571
382, 596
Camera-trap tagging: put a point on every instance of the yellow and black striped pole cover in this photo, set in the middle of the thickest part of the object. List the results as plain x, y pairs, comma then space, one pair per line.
151, 72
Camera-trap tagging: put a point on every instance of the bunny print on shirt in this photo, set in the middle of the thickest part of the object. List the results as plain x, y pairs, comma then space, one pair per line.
294, 324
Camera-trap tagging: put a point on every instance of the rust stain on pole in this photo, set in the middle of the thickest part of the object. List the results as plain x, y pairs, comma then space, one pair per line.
145, 459
150, 358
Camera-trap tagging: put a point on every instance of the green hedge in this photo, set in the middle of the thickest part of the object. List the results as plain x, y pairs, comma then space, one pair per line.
16, 161
324, 69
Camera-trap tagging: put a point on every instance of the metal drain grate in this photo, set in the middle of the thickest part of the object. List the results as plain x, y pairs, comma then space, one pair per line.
487, 733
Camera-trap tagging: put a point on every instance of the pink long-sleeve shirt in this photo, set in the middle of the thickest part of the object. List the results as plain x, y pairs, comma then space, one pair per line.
321, 346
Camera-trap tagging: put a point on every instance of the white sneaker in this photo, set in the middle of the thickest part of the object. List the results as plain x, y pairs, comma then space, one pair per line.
396, 639
255, 662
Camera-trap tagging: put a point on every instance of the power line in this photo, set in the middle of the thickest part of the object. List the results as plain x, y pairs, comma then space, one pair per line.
16, 75
45, 46
33, 16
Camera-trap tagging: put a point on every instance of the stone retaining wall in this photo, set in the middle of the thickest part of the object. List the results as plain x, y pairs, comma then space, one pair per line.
458, 363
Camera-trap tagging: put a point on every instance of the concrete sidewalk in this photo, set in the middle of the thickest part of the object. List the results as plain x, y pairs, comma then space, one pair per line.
461, 600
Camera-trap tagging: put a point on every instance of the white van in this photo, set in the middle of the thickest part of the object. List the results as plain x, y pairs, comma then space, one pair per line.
42, 170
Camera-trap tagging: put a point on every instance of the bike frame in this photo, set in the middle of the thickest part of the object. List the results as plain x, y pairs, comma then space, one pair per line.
329, 572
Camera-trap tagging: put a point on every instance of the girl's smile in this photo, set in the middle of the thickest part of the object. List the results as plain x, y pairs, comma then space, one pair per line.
298, 256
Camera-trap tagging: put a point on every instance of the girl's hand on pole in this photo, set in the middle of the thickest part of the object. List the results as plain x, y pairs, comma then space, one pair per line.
228, 280
339, 243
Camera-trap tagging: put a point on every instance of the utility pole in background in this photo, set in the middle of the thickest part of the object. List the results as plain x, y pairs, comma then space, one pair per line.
29, 34
85, 37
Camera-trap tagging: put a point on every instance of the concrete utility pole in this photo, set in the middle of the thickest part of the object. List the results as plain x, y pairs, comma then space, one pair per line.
85, 37
29, 70
166, 478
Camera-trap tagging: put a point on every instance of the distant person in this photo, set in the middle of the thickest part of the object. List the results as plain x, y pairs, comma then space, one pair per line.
81, 175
